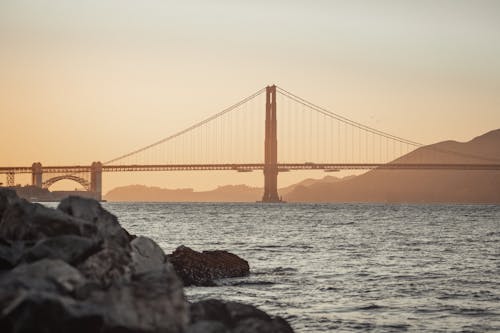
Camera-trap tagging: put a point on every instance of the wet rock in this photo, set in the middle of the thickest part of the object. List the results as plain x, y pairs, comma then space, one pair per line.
235, 317
22, 220
203, 268
69, 248
146, 255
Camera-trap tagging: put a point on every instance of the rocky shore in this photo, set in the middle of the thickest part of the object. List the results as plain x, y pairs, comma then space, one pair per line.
75, 269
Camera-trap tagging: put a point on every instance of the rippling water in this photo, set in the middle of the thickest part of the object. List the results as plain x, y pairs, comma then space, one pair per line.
346, 268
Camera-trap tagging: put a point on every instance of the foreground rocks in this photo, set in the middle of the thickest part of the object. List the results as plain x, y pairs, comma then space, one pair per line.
214, 316
202, 268
75, 269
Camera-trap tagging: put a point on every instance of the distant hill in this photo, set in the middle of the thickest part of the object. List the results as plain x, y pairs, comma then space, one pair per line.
429, 186
229, 193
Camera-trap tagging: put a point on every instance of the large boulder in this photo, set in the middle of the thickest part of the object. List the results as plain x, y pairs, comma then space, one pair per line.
107, 266
39, 311
202, 268
76, 269
44, 275
39, 297
218, 316
113, 263
11, 252
149, 302
22, 220
7, 197
69, 248
108, 227
146, 255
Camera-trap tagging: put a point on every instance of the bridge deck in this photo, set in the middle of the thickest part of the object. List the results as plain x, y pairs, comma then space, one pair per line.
246, 167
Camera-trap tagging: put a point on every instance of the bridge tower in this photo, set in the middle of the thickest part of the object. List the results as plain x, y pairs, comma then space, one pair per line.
11, 179
96, 180
36, 174
271, 149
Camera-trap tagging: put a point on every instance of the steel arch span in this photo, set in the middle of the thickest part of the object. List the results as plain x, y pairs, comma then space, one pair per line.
49, 182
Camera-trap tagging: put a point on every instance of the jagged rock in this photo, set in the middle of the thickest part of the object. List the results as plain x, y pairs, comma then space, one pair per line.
69, 248
76, 269
22, 220
203, 268
146, 255
108, 227
150, 302
43, 275
11, 252
107, 266
235, 317
7, 197
36, 311
112, 263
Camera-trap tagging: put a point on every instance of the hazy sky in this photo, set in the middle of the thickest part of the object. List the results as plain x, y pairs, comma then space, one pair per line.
82, 81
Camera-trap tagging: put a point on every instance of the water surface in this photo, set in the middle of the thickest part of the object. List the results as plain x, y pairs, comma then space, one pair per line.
345, 267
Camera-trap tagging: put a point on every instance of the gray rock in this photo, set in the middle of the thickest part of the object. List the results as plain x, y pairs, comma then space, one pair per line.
113, 263
38, 311
108, 228
207, 326
239, 311
107, 266
22, 220
151, 302
27, 276
7, 197
236, 317
255, 325
69, 248
11, 252
146, 255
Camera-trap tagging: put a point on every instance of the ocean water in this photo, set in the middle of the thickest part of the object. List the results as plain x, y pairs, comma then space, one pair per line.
345, 267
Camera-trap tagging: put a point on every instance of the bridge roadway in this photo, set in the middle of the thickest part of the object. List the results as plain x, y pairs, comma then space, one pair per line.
247, 167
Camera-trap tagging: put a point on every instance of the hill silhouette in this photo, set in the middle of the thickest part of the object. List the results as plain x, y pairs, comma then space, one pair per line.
424, 186
229, 193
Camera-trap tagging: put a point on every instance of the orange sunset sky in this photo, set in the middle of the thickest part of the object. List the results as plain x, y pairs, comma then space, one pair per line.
84, 81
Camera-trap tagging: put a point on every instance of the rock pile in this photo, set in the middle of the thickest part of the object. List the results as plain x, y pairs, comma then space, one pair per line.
75, 269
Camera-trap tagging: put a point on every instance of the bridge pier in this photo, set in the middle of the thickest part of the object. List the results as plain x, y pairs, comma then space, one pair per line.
36, 174
96, 180
271, 149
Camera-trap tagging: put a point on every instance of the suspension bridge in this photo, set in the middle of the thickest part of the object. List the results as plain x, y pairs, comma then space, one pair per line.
243, 138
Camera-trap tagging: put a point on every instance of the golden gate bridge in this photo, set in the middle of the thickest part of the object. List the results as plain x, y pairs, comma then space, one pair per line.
310, 138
